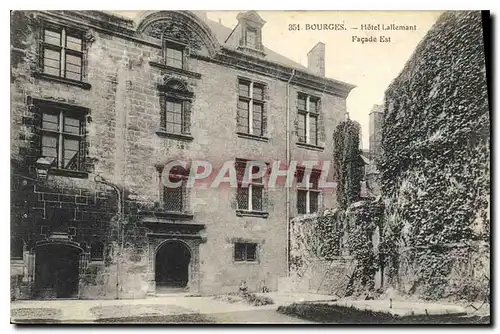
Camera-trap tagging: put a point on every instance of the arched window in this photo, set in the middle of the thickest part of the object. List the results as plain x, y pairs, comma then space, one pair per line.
97, 251
16, 248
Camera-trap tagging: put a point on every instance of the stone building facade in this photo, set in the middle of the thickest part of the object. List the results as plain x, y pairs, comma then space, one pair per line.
95, 94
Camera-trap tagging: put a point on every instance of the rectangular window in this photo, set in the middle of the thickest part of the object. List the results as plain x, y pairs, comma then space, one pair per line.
249, 197
250, 118
175, 195
174, 116
174, 57
62, 52
62, 136
252, 38
245, 251
307, 122
307, 194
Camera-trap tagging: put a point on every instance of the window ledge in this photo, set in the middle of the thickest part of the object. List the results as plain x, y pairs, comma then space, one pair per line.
169, 214
69, 173
174, 135
44, 76
246, 262
310, 147
246, 213
248, 49
254, 137
180, 71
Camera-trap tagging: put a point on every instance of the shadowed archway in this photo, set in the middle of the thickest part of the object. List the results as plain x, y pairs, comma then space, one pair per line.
172, 266
56, 271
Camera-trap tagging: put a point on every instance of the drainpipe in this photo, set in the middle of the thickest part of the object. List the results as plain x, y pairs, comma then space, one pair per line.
288, 165
120, 213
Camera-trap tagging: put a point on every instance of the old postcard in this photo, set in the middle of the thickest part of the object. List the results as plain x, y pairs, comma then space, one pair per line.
249, 167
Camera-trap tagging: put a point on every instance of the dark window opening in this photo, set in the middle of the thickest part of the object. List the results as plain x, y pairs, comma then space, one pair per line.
245, 252
97, 251
16, 248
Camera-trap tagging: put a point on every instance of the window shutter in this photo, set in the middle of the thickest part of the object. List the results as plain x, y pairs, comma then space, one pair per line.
186, 122
163, 110
320, 125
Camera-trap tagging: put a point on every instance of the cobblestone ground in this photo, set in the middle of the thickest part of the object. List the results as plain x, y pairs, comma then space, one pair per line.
123, 311
36, 315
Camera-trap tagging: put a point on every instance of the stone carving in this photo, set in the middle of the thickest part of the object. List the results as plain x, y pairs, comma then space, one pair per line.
176, 30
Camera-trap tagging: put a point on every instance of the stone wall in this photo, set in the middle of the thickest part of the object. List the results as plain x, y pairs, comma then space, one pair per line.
123, 147
311, 272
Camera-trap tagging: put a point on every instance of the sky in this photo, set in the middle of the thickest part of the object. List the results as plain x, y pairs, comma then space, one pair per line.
369, 66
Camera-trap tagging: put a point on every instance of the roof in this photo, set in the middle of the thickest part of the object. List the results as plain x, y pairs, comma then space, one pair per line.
221, 32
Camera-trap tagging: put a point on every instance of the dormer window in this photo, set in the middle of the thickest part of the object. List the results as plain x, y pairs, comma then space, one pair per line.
250, 32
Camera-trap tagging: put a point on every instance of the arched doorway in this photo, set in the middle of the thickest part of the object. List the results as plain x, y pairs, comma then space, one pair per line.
56, 271
172, 266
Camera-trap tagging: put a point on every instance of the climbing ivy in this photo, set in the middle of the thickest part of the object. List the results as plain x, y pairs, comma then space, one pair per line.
363, 219
435, 162
337, 233
346, 155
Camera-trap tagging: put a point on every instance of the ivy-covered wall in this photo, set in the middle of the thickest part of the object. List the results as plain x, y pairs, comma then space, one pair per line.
435, 167
334, 251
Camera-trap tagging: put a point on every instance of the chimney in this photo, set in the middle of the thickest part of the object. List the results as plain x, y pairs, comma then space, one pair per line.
316, 59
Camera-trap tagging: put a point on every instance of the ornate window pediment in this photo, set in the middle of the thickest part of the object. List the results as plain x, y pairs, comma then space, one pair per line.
181, 27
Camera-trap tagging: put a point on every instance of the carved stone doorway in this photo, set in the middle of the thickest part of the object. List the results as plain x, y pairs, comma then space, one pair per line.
172, 266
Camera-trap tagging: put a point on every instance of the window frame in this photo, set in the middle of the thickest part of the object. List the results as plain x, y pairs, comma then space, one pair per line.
316, 174
245, 258
181, 102
63, 50
169, 44
177, 176
251, 100
174, 47
255, 31
241, 164
175, 90
308, 114
62, 112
